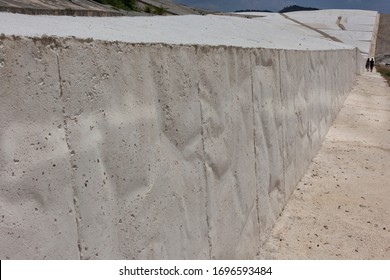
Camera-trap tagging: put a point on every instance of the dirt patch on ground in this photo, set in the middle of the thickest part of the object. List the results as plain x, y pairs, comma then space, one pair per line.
341, 207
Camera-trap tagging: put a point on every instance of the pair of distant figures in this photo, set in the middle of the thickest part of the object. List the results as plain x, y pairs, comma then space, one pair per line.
370, 64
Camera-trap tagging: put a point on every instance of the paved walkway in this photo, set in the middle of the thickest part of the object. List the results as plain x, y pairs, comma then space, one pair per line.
341, 208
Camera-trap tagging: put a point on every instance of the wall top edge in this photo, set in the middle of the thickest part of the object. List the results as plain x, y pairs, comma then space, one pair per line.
56, 42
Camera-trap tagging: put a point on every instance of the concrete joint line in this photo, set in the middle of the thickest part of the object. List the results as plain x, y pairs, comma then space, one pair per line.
254, 144
71, 154
326, 35
205, 174
282, 120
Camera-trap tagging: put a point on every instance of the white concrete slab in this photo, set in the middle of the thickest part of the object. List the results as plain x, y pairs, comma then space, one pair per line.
359, 25
269, 32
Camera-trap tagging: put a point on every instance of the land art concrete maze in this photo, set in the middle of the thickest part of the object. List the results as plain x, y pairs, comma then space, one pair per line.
178, 138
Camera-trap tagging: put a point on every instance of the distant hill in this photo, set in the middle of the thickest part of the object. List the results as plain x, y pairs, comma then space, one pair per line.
255, 11
295, 8
159, 7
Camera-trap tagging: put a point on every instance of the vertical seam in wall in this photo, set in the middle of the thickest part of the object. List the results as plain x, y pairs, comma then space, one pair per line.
254, 146
73, 178
356, 61
282, 122
205, 174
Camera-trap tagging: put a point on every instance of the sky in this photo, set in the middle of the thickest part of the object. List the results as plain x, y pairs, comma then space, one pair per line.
383, 6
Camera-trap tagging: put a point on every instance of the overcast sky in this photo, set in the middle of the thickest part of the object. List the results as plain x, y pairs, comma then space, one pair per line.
383, 6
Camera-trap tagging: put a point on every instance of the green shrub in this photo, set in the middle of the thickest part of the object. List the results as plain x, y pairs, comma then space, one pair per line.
385, 72
160, 10
129, 5
148, 10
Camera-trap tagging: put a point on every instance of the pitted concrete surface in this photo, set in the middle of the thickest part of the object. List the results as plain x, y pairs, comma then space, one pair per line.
341, 207
134, 151
120, 147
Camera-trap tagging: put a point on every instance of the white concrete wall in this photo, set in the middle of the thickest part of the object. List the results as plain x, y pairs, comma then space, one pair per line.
115, 150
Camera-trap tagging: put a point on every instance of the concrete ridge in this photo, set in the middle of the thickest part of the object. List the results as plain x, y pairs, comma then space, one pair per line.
55, 40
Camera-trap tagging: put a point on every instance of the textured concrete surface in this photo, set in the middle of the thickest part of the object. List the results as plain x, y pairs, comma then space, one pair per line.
37, 207
112, 150
151, 145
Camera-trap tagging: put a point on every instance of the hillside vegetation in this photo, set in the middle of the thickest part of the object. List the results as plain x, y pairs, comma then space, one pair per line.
385, 72
130, 5
295, 8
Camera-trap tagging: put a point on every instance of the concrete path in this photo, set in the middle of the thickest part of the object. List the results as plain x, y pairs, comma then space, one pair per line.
341, 208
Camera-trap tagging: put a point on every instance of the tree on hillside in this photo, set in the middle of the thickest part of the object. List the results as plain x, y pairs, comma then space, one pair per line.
120, 4
251, 10
295, 8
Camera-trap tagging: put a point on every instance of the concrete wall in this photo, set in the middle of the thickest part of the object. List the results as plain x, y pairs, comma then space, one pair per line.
382, 42
126, 151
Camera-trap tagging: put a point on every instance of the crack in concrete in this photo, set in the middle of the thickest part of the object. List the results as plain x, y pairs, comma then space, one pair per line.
73, 178
205, 174
59, 78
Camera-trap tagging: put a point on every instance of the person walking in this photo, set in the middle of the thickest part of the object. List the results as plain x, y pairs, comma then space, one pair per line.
368, 64
372, 63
